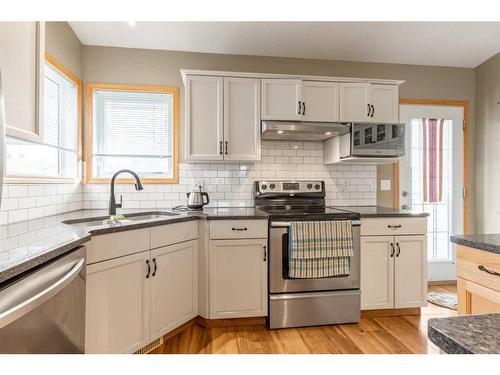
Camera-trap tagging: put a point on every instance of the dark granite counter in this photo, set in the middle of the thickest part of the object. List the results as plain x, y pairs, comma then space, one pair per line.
377, 211
27, 244
486, 242
468, 334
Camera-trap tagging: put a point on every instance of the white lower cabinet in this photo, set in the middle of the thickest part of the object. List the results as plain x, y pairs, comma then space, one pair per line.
118, 303
238, 278
174, 296
393, 268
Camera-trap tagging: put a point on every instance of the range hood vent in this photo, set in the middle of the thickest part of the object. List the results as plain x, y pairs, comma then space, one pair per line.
301, 130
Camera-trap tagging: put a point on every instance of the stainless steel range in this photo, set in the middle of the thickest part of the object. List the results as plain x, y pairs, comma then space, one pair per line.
305, 302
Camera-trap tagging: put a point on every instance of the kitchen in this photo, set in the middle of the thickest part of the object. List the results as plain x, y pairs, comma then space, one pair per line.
182, 181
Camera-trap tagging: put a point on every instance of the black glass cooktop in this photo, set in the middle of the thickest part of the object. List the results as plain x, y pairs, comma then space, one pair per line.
309, 213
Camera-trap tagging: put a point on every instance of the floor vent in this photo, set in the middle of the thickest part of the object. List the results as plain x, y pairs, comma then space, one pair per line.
151, 346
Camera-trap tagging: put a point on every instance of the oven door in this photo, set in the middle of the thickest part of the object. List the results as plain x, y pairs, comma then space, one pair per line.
377, 140
279, 282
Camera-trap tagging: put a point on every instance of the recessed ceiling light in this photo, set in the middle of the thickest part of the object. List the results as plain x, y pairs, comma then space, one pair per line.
131, 23
296, 147
280, 131
328, 133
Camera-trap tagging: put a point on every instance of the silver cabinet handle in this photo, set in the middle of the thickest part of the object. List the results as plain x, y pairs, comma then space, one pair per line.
233, 228
484, 269
373, 110
393, 250
220, 147
225, 152
394, 226
149, 269
303, 108
369, 109
399, 249
265, 253
37, 299
300, 108
156, 267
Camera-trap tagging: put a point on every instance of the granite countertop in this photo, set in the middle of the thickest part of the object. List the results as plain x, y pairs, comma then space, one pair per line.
377, 211
27, 244
468, 334
486, 242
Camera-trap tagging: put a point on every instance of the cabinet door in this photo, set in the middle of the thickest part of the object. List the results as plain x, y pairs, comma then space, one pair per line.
354, 99
385, 101
241, 119
476, 299
117, 311
238, 278
410, 275
280, 99
377, 272
321, 101
174, 286
21, 66
204, 118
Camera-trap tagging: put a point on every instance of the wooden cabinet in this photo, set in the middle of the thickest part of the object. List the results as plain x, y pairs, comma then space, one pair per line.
368, 102
241, 119
377, 272
393, 268
280, 99
204, 118
478, 281
238, 278
320, 101
21, 66
174, 285
410, 271
222, 118
118, 305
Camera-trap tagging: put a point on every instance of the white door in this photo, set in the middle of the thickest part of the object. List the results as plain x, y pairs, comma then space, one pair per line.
174, 286
238, 278
117, 307
320, 101
410, 274
204, 118
241, 119
432, 179
385, 102
377, 272
280, 99
354, 102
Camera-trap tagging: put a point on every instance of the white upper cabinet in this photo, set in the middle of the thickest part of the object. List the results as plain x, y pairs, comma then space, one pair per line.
241, 119
368, 102
354, 102
280, 99
21, 66
204, 118
320, 101
385, 102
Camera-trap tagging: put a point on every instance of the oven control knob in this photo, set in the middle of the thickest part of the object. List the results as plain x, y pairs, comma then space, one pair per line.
317, 186
309, 186
264, 187
272, 186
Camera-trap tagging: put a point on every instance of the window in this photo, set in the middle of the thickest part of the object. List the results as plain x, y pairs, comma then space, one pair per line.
132, 127
57, 155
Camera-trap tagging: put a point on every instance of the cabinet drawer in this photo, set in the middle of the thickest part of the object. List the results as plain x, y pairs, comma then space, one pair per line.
468, 262
231, 229
173, 233
114, 245
393, 226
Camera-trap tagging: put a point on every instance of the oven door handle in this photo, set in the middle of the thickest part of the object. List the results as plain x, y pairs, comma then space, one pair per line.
286, 224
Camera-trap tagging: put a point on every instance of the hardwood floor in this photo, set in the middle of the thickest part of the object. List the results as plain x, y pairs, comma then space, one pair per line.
397, 335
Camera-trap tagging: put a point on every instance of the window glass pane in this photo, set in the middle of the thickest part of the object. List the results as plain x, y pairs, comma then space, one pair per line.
31, 159
133, 130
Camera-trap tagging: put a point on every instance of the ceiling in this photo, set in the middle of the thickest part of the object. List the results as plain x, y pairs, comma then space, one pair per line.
460, 44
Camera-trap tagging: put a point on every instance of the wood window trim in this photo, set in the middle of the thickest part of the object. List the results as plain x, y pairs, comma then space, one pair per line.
13, 179
89, 89
442, 102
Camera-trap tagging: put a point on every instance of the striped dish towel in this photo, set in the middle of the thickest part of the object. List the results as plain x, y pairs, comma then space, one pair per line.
319, 249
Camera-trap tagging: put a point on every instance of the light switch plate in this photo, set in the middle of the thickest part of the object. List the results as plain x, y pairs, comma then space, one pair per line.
385, 185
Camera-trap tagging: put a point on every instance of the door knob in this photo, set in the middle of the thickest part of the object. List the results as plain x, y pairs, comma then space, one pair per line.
405, 207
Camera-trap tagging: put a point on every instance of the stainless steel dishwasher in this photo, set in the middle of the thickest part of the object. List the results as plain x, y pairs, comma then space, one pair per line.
44, 310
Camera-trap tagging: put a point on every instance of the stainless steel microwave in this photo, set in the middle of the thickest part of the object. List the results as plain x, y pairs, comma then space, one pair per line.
383, 140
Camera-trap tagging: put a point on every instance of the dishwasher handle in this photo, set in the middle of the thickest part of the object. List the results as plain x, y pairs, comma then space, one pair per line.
37, 299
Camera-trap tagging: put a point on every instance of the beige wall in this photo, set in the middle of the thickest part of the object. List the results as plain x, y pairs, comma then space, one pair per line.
487, 183
62, 44
136, 66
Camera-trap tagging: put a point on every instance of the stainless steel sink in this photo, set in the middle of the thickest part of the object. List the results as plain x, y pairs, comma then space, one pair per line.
130, 218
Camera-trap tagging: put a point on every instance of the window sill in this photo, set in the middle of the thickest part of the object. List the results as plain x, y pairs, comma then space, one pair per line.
174, 180
11, 180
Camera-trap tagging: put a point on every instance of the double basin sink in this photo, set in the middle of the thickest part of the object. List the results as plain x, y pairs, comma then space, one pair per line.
127, 219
